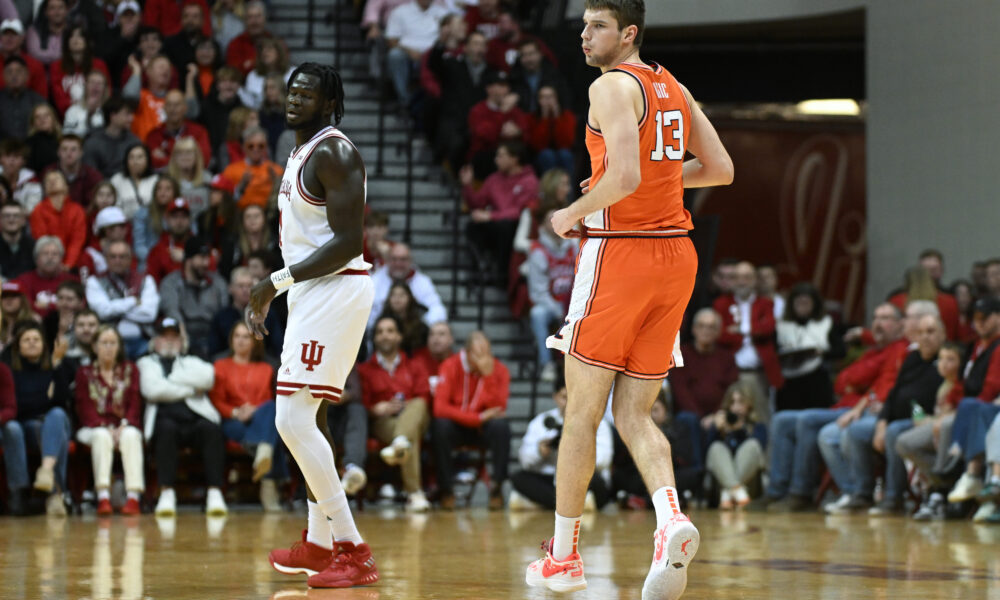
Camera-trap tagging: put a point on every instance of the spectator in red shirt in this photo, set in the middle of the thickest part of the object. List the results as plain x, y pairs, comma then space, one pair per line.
58, 216
167, 255
920, 285
495, 119
160, 141
165, 15
109, 408
504, 49
497, 205
68, 75
708, 370
12, 44
439, 348
394, 390
484, 18
552, 133
39, 286
82, 178
242, 51
470, 406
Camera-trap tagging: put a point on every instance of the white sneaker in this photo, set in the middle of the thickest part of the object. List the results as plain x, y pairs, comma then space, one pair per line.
967, 488
354, 479
215, 504
832, 508
269, 497
263, 458
396, 452
986, 509
417, 502
590, 503
518, 501
675, 545
166, 506
548, 374
740, 496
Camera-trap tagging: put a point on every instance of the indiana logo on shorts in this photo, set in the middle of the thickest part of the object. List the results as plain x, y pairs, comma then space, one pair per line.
312, 354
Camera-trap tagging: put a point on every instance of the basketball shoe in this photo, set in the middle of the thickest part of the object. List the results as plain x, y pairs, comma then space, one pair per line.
302, 557
352, 565
558, 576
675, 545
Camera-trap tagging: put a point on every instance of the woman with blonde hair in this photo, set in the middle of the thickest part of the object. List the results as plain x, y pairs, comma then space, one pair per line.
919, 285
187, 167
109, 408
736, 444
241, 119
252, 235
44, 133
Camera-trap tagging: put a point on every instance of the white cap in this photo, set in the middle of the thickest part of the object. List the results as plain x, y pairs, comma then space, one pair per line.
127, 5
14, 24
108, 216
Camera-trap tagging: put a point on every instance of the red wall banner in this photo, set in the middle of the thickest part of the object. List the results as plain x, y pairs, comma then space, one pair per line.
798, 202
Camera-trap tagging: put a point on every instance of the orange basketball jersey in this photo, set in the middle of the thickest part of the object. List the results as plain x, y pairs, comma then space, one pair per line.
658, 203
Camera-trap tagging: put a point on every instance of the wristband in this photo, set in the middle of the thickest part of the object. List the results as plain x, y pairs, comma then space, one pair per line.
282, 279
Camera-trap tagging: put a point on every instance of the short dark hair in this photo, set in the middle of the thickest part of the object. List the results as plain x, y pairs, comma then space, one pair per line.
145, 30
86, 312
74, 286
386, 316
377, 217
114, 105
515, 148
330, 85
71, 137
626, 12
932, 252
13, 146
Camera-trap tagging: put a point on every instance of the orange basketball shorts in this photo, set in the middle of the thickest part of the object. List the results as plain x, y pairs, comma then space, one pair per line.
628, 301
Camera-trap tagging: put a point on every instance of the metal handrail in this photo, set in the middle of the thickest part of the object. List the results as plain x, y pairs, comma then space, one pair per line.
408, 227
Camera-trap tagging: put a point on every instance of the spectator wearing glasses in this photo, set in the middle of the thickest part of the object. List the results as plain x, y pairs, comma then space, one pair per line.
16, 245
256, 176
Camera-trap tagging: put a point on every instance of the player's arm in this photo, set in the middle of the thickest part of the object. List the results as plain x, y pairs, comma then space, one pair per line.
620, 128
711, 164
339, 170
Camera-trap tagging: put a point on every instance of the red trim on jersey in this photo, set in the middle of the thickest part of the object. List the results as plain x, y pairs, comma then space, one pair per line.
313, 386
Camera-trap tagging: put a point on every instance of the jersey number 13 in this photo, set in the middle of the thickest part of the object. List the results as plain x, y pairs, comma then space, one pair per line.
672, 121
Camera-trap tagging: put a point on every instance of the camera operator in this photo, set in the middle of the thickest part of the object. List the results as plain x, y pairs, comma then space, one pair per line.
535, 486
736, 443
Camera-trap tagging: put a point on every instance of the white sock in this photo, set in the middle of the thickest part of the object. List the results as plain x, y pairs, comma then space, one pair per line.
566, 538
103, 495
666, 504
341, 519
319, 532
133, 496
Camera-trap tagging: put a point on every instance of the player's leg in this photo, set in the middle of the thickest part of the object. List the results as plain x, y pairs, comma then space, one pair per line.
587, 387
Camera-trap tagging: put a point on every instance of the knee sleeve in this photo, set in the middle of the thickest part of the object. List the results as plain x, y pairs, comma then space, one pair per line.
294, 414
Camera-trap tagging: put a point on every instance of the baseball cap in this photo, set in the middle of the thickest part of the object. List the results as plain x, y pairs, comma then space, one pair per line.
108, 216
131, 5
12, 25
195, 246
12, 287
987, 306
219, 182
497, 77
178, 204
167, 324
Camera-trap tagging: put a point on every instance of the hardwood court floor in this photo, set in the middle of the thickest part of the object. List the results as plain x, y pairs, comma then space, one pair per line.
480, 555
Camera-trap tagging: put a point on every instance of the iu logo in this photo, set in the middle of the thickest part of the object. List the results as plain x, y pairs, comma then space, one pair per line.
286, 189
312, 354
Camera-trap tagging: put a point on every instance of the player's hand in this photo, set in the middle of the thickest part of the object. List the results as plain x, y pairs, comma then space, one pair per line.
585, 186
260, 302
563, 224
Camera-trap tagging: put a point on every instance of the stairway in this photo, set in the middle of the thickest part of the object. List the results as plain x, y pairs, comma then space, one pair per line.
433, 198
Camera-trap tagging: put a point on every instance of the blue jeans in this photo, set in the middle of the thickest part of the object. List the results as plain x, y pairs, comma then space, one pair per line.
895, 469
795, 455
972, 420
693, 423
260, 430
135, 347
541, 321
50, 434
549, 158
834, 446
401, 69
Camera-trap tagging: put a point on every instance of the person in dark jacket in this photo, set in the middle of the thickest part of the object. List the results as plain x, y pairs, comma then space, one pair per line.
221, 100
17, 247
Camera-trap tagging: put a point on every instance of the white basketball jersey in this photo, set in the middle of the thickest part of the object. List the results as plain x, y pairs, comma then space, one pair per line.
303, 225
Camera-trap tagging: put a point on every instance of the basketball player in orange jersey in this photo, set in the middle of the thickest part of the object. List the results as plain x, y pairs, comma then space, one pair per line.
634, 278
321, 202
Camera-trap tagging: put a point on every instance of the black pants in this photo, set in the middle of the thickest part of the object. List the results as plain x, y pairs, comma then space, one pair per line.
447, 435
349, 427
494, 239
541, 489
812, 390
176, 426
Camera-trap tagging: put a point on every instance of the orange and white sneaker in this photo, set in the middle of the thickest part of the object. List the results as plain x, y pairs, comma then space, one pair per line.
302, 558
352, 565
675, 545
558, 576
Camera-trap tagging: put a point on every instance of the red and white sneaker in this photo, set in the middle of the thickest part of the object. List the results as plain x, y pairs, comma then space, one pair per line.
104, 508
675, 545
558, 576
131, 507
302, 558
352, 565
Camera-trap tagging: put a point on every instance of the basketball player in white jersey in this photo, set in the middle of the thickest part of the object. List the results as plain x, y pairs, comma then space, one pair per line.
321, 203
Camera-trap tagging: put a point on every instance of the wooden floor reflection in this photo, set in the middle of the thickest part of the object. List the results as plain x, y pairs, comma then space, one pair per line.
480, 555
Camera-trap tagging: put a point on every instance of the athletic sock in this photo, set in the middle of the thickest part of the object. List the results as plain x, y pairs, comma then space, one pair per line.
567, 537
133, 496
341, 520
319, 532
103, 495
666, 505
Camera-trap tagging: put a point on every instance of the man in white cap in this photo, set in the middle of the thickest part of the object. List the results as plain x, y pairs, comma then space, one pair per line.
12, 44
110, 225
